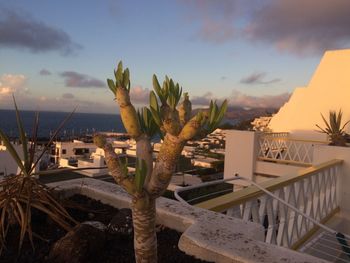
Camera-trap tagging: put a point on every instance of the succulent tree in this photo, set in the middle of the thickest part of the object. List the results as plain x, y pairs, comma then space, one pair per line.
174, 122
334, 128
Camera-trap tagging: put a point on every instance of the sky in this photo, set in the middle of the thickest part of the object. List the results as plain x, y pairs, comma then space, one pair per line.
56, 55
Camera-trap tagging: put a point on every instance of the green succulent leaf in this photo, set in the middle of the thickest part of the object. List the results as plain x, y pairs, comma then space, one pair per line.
139, 115
221, 113
124, 165
119, 72
156, 117
215, 115
158, 89
111, 85
148, 124
140, 174
213, 110
126, 79
153, 101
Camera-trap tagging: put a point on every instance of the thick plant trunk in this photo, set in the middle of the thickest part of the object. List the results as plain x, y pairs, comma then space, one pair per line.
144, 151
145, 238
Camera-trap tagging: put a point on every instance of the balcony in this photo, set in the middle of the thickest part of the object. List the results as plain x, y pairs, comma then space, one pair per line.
308, 175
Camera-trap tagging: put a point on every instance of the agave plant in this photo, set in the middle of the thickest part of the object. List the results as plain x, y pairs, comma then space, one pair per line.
22, 192
176, 125
334, 129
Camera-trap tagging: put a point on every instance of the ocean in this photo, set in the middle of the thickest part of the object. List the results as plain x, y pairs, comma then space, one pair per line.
79, 124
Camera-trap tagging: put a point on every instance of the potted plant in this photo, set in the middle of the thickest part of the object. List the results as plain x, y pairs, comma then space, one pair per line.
21, 193
334, 128
176, 125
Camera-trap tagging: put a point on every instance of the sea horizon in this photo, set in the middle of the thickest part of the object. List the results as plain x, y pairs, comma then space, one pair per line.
80, 123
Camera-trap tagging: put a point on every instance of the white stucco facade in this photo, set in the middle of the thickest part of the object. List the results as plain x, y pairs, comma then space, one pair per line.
329, 89
7, 164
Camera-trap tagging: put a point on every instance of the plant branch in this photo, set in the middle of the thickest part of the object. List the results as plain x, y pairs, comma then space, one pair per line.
164, 168
118, 172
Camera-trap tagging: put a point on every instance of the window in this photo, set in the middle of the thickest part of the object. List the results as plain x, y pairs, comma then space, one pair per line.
64, 151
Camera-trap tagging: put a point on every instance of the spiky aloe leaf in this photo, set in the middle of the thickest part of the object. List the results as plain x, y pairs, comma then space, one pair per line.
34, 139
140, 174
111, 85
23, 137
328, 128
51, 140
12, 151
338, 119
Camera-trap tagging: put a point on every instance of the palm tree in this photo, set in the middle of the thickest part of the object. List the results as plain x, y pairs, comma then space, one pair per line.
334, 128
175, 125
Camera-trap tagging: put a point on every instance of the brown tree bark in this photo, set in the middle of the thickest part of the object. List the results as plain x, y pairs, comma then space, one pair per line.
145, 238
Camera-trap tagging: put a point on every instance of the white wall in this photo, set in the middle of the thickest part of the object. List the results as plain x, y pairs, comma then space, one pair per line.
7, 164
276, 169
6, 161
329, 89
241, 153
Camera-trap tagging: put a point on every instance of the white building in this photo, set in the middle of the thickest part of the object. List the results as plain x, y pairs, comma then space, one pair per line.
329, 89
73, 149
7, 164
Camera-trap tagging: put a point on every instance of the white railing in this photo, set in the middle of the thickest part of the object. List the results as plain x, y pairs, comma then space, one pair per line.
276, 134
312, 191
285, 150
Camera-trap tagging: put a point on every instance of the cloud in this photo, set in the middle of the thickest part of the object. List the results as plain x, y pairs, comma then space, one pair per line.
19, 30
75, 79
213, 19
10, 83
139, 94
302, 27
203, 100
44, 72
68, 96
258, 78
238, 98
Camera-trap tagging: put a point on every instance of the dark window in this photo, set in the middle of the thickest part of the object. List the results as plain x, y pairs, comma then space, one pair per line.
79, 151
64, 151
